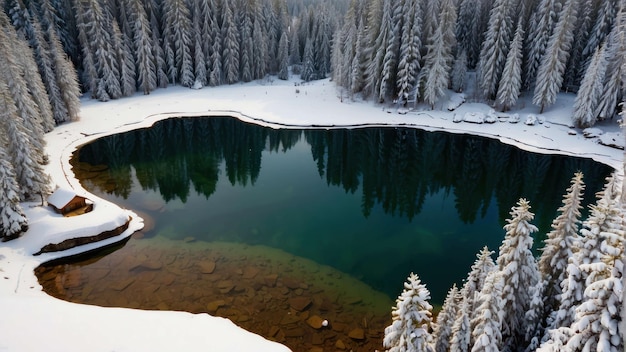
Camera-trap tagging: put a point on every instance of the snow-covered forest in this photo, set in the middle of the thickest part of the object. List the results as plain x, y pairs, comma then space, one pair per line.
569, 299
402, 52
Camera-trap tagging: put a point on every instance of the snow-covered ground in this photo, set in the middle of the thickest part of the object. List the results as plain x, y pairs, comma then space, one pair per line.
33, 321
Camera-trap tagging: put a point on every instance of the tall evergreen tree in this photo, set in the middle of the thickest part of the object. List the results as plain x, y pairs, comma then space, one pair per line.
230, 50
519, 273
552, 67
495, 46
177, 35
438, 60
542, 23
411, 319
612, 90
442, 329
283, 57
559, 243
410, 46
12, 218
511, 80
308, 70
585, 112
142, 41
486, 334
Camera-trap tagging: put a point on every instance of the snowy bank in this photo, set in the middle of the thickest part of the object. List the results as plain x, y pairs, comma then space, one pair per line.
34, 321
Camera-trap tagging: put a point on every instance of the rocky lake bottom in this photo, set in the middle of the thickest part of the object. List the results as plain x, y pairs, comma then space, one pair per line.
285, 298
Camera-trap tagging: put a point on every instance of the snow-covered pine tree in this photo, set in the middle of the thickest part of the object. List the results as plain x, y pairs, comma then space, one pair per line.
160, 64
442, 329
142, 41
246, 47
585, 112
482, 267
126, 61
598, 316
29, 173
13, 76
615, 75
461, 334
358, 62
294, 46
486, 334
560, 242
283, 57
390, 46
438, 60
66, 79
534, 316
541, 25
12, 218
552, 67
466, 35
230, 50
200, 45
322, 43
35, 85
602, 26
411, 319
258, 61
308, 69
511, 80
576, 66
215, 76
519, 273
410, 45
495, 46
374, 56
177, 34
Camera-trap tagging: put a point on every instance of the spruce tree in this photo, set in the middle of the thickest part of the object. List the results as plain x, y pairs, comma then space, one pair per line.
442, 329
12, 218
519, 273
177, 38
560, 242
615, 74
409, 61
542, 23
495, 46
438, 60
142, 41
230, 50
511, 80
487, 322
283, 57
411, 319
552, 67
585, 112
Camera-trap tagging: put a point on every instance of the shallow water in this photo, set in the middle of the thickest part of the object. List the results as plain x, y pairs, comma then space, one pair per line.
339, 217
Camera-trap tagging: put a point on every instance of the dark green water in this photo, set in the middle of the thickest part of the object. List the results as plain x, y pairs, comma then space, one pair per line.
374, 203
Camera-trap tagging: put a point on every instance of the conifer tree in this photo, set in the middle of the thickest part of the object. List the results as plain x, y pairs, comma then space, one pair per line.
460, 339
308, 70
603, 25
615, 74
541, 25
283, 57
559, 243
495, 46
552, 67
519, 273
389, 45
261, 49
12, 218
410, 45
411, 319
230, 50
596, 324
215, 76
200, 43
177, 38
486, 333
142, 41
585, 112
126, 61
511, 80
442, 329
439, 58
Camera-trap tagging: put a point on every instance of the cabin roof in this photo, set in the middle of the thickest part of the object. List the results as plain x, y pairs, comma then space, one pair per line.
61, 197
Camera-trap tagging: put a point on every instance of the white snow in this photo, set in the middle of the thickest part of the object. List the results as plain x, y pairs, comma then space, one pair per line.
33, 321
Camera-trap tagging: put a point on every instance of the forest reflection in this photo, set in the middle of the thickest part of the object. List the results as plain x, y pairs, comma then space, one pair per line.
396, 168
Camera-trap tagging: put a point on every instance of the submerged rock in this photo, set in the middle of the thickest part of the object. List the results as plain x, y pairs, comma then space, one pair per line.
300, 303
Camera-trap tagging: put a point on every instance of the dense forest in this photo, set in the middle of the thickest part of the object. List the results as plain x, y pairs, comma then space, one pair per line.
393, 51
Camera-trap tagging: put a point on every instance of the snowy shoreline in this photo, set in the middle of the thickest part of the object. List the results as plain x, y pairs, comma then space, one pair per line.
57, 323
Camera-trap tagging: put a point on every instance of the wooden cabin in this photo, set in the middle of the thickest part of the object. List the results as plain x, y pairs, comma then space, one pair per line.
68, 203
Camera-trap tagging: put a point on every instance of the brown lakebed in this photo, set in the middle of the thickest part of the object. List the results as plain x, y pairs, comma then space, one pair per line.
264, 290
